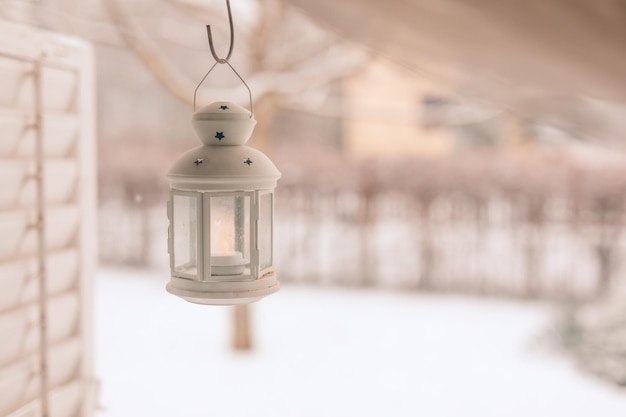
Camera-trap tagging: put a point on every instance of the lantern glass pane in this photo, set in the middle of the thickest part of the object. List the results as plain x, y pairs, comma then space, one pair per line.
266, 207
230, 234
185, 208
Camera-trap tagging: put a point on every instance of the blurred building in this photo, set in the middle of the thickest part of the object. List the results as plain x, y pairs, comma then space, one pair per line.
389, 112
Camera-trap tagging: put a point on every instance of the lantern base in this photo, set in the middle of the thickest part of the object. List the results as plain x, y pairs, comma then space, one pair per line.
223, 292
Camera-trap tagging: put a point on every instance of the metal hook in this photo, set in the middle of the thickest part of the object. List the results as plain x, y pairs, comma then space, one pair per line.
219, 60
232, 38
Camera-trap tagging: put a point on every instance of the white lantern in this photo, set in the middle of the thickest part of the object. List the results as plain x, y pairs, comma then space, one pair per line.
221, 213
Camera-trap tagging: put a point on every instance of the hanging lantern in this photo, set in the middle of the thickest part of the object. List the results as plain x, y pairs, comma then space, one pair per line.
221, 213
221, 207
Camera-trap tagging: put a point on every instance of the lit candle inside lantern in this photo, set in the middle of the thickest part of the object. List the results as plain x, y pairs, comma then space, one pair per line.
227, 257
229, 263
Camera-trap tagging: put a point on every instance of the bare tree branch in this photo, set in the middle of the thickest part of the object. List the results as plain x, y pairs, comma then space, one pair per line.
317, 72
137, 40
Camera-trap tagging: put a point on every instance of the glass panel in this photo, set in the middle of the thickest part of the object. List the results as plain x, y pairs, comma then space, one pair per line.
265, 231
242, 226
230, 234
185, 209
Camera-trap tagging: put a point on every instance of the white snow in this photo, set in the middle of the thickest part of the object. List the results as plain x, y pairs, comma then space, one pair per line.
323, 352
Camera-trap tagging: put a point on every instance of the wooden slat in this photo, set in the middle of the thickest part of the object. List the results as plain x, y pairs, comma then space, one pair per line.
17, 83
18, 328
65, 400
19, 382
19, 236
17, 277
61, 131
18, 192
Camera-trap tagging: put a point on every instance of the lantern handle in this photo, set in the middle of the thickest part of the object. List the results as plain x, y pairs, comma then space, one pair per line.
195, 92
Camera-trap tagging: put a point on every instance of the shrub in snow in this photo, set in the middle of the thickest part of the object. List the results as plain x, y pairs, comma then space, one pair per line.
595, 335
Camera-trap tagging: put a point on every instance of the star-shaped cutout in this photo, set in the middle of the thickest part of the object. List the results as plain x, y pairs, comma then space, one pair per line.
248, 161
198, 161
219, 135
223, 107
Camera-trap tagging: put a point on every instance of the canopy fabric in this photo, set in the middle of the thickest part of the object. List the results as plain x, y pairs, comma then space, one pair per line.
574, 47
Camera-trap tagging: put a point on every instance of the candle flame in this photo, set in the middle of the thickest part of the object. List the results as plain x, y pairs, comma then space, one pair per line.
223, 234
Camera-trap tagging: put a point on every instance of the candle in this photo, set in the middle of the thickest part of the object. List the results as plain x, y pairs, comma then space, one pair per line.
228, 263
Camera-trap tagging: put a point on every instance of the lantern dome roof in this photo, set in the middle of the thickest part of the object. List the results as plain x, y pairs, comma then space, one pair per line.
223, 124
235, 168
222, 110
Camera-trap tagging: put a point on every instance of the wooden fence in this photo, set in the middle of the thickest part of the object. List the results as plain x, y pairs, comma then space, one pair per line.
504, 226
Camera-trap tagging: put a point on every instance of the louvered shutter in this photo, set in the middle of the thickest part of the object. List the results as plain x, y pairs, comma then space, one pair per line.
47, 223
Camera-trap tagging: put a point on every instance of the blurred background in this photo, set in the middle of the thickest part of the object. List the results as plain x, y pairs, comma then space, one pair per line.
449, 224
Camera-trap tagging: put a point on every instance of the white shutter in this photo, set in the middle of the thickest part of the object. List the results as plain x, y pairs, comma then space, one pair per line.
47, 121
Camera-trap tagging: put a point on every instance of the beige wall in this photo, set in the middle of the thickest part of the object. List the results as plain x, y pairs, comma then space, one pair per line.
383, 114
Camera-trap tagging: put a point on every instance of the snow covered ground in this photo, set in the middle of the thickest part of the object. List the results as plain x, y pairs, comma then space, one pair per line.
333, 353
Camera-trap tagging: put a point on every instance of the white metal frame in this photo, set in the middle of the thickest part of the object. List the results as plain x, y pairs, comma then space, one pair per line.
271, 248
199, 241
